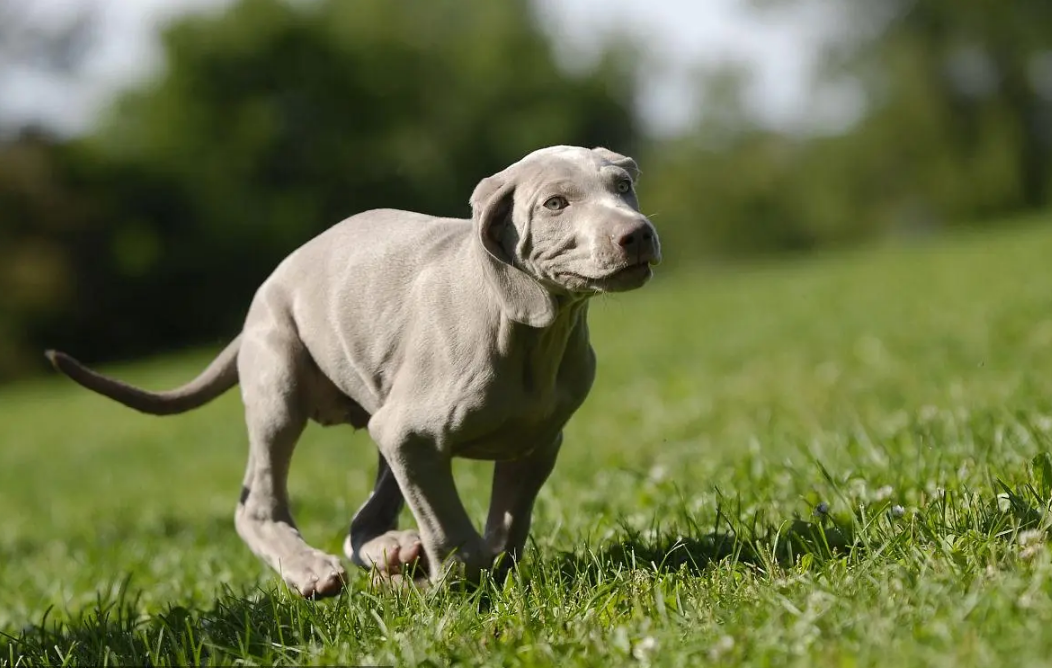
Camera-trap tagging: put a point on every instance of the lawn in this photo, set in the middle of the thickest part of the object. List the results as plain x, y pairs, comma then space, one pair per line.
841, 461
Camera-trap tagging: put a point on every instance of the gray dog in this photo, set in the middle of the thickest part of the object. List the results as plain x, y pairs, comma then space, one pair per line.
445, 338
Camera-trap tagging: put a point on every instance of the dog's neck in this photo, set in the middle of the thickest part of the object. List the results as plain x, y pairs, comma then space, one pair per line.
543, 351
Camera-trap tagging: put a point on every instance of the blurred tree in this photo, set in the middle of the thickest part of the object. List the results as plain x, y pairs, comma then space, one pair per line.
276, 119
37, 213
989, 69
955, 128
733, 188
959, 92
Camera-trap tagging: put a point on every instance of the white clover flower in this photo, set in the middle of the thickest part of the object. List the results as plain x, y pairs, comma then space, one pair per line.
1030, 552
721, 647
1030, 537
645, 648
1004, 503
928, 413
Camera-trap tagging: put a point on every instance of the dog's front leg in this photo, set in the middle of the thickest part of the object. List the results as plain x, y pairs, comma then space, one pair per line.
424, 472
515, 487
374, 540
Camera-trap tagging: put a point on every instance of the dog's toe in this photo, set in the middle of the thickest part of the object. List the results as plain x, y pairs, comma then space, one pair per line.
409, 550
397, 580
316, 575
330, 586
390, 553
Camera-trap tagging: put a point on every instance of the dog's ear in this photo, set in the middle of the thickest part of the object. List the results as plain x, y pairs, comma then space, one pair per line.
623, 161
522, 298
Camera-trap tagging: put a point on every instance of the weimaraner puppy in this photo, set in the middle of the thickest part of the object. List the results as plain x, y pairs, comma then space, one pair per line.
444, 338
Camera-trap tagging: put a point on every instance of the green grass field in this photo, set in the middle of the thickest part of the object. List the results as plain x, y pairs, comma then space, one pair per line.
905, 393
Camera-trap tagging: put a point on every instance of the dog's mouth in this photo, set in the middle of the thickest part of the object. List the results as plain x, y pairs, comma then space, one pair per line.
627, 277
633, 270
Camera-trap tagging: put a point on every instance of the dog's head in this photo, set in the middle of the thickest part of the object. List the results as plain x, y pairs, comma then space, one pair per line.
562, 222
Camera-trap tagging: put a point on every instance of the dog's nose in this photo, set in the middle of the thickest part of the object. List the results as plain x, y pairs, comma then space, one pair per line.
635, 236
637, 240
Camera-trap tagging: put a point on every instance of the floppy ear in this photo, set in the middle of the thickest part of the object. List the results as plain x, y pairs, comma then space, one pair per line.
622, 161
522, 299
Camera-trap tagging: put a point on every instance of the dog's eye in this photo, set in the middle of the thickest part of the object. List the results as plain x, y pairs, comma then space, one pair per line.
556, 203
624, 186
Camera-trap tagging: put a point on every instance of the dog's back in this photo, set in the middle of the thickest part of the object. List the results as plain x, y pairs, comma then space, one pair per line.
352, 291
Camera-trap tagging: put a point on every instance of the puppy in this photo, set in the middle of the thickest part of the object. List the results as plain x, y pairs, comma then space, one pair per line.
444, 338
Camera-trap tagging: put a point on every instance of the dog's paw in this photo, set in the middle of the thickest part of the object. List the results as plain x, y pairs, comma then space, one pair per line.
314, 574
390, 554
465, 565
399, 582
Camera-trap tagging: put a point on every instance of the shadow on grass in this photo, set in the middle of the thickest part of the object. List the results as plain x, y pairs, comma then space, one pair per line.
767, 544
667, 552
272, 627
269, 627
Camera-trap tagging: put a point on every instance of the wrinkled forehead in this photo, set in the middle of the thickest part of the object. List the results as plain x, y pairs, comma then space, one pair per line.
564, 165
561, 157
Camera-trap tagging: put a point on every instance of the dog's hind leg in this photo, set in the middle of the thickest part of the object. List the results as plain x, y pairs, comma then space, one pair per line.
270, 363
373, 539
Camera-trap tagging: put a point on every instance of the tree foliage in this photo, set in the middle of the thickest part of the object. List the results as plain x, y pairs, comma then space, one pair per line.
275, 119
956, 129
269, 123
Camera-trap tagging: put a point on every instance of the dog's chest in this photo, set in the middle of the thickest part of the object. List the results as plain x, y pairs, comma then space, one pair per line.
516, 433
524, 415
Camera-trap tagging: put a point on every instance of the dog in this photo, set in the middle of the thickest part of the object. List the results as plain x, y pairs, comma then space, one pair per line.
444, 338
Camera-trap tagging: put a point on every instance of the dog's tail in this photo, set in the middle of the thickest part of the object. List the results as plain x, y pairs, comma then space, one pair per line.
220, 376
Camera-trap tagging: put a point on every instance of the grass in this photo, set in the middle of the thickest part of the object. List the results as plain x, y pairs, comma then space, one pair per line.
838, 462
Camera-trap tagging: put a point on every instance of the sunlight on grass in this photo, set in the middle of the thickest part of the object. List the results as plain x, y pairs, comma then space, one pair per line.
836, 462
